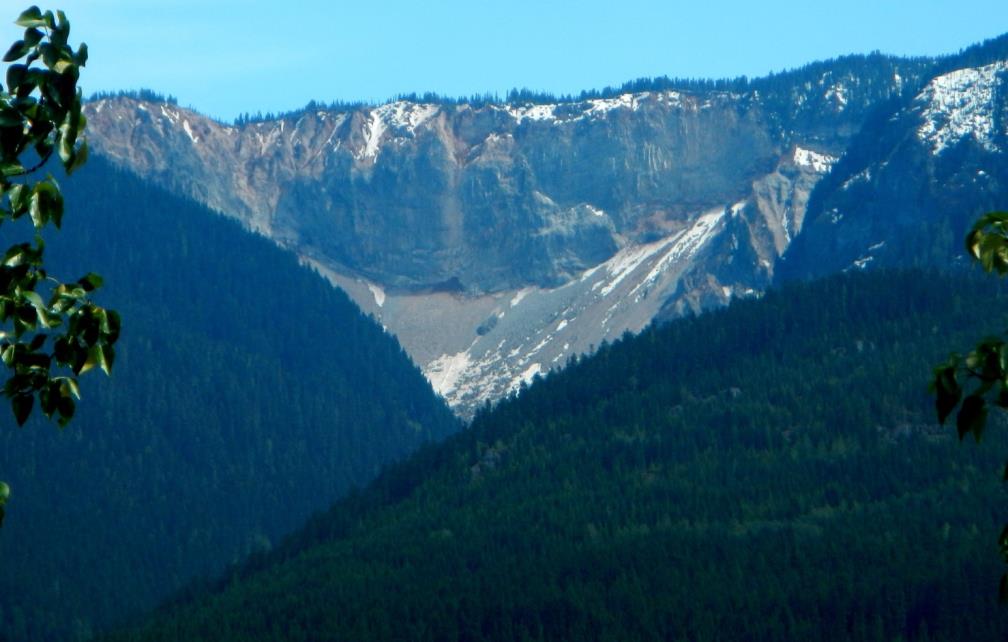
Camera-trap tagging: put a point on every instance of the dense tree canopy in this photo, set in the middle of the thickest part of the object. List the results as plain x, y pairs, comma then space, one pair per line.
768, 472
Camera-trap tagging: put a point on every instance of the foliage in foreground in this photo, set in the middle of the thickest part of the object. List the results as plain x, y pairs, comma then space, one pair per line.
980, 378
44, 345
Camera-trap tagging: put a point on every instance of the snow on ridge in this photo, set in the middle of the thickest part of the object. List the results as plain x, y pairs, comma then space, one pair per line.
189, 132
820, 163
373, 131
405, 115
170, 114
959, 104
592, 108
602, 106
532, 112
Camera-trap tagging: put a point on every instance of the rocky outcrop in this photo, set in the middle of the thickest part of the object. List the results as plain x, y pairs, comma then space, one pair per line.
498, 240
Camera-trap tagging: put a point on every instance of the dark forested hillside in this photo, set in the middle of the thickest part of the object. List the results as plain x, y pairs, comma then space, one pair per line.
768, 472
247, 394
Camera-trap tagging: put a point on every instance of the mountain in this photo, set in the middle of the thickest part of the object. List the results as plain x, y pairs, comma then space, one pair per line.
248, 393
498, 239
771, 471
916, 177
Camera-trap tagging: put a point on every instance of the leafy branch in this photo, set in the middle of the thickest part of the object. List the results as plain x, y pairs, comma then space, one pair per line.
50, 331
974, 382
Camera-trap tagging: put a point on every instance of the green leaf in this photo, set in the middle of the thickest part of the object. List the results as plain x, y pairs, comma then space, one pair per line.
22, 407
17, 195
115, 326
16, 51
37, 342
90, 282
95, 357
109, 353
62, 65
12, 168
947, 392
4, 493
33, 36
31, 17
972, 417
15, 75
66, 408
82, 54
74, 389
79, 158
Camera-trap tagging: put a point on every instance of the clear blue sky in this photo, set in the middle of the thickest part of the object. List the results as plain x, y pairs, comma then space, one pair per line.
225, 57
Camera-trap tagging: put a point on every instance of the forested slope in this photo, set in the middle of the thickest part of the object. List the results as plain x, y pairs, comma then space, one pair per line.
772, 471
247, 394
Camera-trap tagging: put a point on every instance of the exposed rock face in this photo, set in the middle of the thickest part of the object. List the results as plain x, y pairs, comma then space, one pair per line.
496, 241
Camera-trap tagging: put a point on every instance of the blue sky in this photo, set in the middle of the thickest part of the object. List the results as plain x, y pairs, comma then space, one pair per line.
227, 57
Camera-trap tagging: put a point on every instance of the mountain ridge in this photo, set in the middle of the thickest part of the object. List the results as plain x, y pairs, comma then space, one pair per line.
434, 217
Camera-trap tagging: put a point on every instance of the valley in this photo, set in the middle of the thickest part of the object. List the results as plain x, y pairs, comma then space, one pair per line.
647, 362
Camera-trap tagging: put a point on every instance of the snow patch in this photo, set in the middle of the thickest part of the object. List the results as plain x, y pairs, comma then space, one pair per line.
407, 116
820, 163
838, 94
445, 371
561, 325
519, 295
189, 132
602, 106
685, 244
378, 294
541, 113
526, 376
169, 114
864, 175
863, 262
373, 131
960, 104
626, 261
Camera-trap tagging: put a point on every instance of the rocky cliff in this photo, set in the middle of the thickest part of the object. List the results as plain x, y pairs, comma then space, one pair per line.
498, 240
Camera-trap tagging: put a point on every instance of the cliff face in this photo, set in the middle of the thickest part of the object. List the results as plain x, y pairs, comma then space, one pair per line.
498, 240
